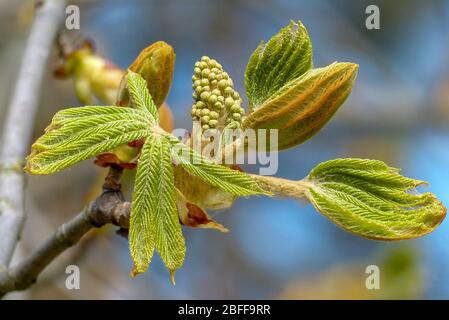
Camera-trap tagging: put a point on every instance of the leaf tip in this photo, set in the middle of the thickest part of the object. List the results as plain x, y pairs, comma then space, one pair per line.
134, 273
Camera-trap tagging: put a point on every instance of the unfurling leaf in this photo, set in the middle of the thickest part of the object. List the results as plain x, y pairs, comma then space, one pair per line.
232, 181
303, 106
373, 200
154, 220
155, 64
77, 134
272, 65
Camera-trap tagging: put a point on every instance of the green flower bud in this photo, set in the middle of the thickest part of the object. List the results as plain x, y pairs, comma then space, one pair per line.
228, 91
235, 108
205, 72
213, 99
229, 102
198, 90
222, 84
213, 115
204, 95
215, 96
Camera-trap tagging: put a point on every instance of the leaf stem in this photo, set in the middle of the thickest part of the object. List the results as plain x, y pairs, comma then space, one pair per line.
283, 188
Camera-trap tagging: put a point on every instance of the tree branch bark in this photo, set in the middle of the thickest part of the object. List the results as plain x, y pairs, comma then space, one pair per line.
110, 207
19, 123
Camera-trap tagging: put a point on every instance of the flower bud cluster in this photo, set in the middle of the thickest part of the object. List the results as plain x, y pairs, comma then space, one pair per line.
216, 104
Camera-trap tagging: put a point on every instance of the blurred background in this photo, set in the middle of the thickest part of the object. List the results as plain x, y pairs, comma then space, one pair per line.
398, 112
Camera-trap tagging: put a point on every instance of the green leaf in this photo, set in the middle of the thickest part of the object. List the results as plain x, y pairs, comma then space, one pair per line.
303, 106
373, 200
80, 133
140, 96
285, 57
232, 181
154, 217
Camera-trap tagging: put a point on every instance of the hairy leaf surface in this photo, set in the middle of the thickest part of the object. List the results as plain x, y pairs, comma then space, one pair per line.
140, 96
283, 58
303, 106
154, 216
373, 200
77, 134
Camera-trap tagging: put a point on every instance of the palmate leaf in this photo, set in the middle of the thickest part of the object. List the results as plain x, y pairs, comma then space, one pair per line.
373, 200
154, 217
77, 134
283, 58
232, 181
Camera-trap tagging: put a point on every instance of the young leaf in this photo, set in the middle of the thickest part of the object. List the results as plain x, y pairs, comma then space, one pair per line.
371, 199
80, 133
154, 216
140, 96
285, 57
232, 181
304, 105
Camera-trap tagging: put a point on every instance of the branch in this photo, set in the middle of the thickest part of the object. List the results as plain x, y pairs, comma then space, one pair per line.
110, 207
19, 123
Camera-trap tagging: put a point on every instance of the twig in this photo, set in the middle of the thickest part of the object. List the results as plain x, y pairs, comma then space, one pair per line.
19, 123
110, 207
